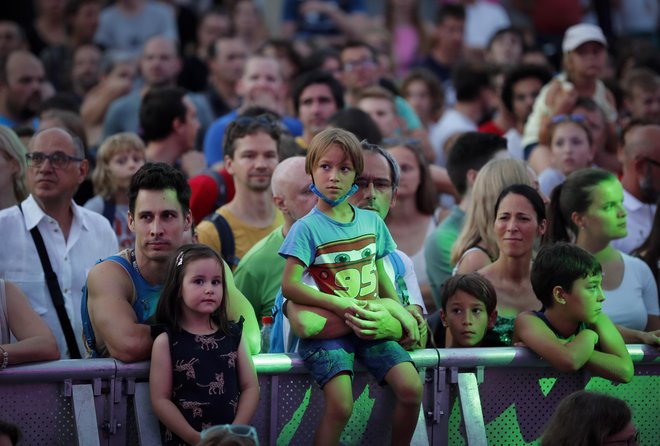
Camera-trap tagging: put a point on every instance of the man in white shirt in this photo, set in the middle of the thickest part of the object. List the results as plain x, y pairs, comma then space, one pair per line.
641, 183
74, 237
474, 99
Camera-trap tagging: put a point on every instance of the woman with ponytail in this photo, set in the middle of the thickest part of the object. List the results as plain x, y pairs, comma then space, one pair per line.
588, 210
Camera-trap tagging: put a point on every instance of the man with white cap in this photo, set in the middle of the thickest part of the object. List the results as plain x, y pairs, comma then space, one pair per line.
585, 56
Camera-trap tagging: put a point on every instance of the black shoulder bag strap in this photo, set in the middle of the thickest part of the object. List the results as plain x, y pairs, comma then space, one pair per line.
55, 293
226, 235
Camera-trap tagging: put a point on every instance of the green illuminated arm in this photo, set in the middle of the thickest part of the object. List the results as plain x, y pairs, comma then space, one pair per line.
611, 360
564, 356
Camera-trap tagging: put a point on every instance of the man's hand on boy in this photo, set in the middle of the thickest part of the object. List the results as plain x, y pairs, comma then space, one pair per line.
416, 312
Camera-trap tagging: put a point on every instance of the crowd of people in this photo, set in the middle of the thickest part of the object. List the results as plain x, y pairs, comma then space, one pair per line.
173, 172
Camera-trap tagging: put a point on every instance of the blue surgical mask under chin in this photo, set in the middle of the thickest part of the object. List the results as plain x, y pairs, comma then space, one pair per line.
333, 203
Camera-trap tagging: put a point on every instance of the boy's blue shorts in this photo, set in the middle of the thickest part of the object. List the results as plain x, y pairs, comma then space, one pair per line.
325, 358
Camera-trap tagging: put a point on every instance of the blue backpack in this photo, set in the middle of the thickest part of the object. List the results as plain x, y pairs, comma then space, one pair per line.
277, 341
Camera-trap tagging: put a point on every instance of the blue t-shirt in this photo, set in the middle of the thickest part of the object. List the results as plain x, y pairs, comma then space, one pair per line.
340, 258
317, 24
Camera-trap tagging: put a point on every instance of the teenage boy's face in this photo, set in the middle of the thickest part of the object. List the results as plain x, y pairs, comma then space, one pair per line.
585, 299
467, 319
334, 173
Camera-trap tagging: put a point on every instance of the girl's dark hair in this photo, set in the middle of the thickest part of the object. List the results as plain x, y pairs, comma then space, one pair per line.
574, 195
528, 192
473, 284
170, 304
560, 264
586, 418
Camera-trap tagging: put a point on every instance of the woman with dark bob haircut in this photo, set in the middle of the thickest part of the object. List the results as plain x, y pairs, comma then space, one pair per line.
590, 419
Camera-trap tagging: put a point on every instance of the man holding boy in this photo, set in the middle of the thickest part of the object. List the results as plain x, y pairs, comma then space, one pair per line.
341, 248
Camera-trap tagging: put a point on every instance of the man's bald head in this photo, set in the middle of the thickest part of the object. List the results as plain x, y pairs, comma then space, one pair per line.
290, 185
642, 141
285, 173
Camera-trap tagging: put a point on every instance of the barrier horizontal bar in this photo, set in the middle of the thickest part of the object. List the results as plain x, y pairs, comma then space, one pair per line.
52, 371
276, 363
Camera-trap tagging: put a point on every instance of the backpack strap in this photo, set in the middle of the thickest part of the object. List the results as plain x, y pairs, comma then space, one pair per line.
399, 274
109, 208
221, 198
226, 235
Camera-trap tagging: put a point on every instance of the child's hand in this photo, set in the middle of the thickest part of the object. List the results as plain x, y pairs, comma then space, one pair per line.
650, 337
590, 332
411, 335
561, 98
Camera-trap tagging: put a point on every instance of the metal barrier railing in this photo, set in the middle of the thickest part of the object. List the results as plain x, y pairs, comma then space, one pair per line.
106, 402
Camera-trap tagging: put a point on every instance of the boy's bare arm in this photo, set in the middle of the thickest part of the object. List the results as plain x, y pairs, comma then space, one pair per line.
611, 360
564, 356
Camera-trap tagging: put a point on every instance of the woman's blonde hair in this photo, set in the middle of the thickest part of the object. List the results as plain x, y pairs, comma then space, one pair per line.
119, 143
494, 177
12, 146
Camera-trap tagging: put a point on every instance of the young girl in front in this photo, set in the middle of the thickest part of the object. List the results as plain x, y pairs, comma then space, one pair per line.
117, 160
201, 372
571, 149
341, 248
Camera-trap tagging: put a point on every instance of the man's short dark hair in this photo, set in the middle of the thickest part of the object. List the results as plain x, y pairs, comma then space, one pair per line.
317, 77
560, 264
395, 171
252, 121
159, 176
450, 10
519, 73
158, 110
472, 150
359, 44
357, 122
469, 79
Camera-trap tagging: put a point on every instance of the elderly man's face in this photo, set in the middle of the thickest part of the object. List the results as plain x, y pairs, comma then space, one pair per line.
48, 182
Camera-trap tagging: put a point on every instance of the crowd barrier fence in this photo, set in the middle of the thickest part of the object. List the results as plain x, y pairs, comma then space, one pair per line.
480, 396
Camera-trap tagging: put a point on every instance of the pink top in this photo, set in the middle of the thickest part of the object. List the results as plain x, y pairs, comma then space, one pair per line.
405, 46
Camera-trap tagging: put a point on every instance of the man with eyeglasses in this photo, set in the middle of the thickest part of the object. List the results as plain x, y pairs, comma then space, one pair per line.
74, 237
376, 192
640, 181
